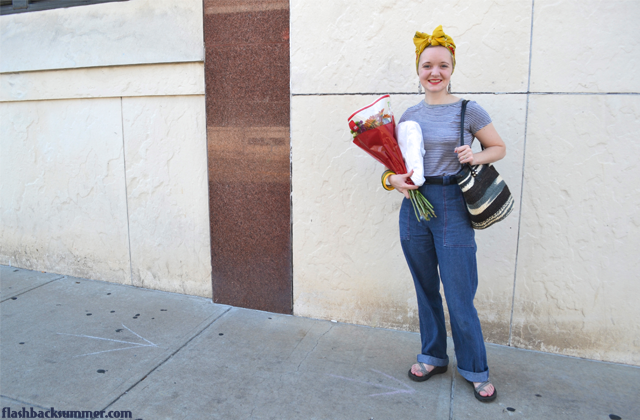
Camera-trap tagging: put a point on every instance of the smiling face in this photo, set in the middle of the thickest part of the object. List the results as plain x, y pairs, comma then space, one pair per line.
435, 68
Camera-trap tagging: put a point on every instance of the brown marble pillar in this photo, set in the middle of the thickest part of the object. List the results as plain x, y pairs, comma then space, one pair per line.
247, 94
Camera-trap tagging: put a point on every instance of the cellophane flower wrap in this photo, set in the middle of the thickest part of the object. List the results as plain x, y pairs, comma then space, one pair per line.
373, 130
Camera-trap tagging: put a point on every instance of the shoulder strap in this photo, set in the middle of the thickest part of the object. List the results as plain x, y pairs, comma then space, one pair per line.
464, 107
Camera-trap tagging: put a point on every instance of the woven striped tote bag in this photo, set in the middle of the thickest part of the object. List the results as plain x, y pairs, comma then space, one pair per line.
487, 196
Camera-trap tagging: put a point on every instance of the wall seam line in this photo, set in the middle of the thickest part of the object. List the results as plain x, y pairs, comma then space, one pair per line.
471, 93
291, 209
102, 66
524, 156
75, 98
206, 145
43, 99
126, 192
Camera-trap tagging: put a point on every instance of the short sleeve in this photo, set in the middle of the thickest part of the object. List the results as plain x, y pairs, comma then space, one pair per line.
478, 118
409, 114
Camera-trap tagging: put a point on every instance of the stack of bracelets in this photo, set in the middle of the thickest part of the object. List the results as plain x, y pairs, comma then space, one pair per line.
385, 177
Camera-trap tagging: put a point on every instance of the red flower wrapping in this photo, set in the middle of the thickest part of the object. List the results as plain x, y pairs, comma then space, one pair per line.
373, 130
380, 143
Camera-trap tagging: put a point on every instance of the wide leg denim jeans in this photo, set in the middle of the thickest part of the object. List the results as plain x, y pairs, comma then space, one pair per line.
444, 248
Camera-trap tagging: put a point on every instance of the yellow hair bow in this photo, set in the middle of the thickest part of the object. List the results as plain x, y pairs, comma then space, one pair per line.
423, 40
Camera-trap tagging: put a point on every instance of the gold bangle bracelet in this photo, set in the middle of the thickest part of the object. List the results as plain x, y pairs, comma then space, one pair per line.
385, 177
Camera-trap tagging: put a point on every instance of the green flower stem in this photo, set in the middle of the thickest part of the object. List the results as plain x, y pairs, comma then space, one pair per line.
421, 206
414, 205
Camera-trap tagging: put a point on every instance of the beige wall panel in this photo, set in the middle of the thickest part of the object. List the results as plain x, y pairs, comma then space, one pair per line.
100, 82
130, 32
166, 158
62, 197
348, 263
577, 275
586, 46
359, 47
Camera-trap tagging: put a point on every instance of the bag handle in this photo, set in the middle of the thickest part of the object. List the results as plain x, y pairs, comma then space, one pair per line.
464, 107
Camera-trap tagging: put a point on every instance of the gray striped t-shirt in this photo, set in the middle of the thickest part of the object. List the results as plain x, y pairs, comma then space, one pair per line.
440, 126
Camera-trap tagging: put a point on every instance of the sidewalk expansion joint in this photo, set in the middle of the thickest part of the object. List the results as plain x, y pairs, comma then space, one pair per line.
453, 390
166, 359
33, 288
24, 402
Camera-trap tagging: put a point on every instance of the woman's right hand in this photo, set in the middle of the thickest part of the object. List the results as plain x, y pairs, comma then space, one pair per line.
399, 182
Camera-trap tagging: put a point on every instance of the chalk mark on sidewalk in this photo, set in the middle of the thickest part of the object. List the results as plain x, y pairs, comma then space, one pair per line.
407, 389
134, 345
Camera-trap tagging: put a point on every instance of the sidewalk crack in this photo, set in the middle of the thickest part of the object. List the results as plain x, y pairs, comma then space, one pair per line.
314, 348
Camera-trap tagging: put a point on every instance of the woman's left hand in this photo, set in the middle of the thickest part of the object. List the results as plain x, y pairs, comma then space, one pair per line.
465, 154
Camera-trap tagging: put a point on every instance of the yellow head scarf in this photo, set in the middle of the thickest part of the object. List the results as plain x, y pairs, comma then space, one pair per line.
423, 41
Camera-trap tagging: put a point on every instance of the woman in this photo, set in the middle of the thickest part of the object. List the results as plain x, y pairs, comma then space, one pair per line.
444, 247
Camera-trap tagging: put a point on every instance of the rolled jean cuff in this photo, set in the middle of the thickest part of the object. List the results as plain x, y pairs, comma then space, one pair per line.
433, 361
474, 376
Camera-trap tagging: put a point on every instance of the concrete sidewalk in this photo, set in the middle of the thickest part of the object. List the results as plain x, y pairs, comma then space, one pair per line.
77, 344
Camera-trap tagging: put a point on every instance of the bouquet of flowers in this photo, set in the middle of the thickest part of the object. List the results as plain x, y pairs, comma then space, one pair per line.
373, 130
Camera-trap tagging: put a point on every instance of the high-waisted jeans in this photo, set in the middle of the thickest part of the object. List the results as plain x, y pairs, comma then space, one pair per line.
445, 244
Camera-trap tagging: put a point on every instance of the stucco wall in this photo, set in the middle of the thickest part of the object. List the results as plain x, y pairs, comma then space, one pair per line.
108, 34
103, 144
560, 274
